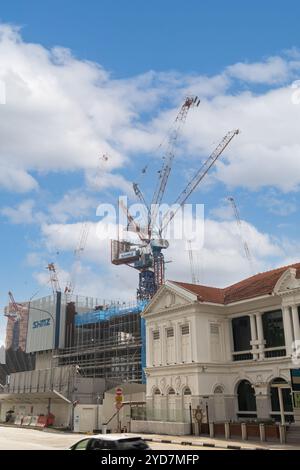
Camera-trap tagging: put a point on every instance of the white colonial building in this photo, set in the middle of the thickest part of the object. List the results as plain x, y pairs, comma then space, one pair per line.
222, 350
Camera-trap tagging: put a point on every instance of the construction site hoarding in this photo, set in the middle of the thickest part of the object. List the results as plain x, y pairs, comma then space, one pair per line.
43, 324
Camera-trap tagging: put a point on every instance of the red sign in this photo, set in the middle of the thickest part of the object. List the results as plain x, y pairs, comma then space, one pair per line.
119, 391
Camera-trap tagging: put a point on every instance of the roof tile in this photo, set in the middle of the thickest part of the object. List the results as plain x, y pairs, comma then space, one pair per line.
254, 286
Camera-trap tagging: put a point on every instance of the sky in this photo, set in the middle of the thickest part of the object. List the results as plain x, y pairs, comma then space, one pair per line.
87, 79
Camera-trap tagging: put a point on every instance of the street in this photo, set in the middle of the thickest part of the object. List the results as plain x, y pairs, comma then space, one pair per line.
31, 439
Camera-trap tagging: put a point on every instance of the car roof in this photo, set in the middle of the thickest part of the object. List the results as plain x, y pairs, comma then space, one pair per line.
114, 437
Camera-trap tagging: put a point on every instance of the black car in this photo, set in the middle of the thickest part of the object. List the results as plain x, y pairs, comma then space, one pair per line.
111, 442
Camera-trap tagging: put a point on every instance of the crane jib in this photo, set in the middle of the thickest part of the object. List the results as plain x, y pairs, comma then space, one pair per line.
198, 177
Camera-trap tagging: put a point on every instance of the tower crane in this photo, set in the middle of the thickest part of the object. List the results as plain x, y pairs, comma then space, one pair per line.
198, 177
15, 310
148, 257
240, 227
53, 278
165, 171
84, 233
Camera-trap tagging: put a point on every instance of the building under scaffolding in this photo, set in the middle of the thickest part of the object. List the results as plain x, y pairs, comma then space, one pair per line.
107, 342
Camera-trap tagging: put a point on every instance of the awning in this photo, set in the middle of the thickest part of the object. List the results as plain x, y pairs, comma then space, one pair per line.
38, 397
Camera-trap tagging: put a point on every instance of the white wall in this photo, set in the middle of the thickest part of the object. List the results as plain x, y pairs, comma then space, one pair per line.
86, 417
210, 364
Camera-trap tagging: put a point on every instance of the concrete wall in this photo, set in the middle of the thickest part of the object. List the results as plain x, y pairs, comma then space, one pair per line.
88, 389
61, 411
43, 360
159, 427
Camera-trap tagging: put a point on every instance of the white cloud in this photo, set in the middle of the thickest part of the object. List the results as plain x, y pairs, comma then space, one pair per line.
16, 179
22, 214
221, 261
277, 205
266, 153
33, 259
99, 181
62, 113
274, 70
74, 203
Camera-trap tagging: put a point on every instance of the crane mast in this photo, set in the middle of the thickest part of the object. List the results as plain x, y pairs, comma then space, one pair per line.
53, 278
69, 289
192, 264
240, 227
165, 171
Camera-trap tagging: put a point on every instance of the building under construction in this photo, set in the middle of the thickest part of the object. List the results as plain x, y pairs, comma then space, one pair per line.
106, 342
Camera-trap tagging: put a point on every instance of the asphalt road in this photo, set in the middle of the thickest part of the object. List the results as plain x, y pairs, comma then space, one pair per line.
31, 439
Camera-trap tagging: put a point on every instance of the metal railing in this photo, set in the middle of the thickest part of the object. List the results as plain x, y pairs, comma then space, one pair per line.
242, 355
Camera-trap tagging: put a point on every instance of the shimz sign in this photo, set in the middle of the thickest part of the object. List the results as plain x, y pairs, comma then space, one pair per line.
41, 323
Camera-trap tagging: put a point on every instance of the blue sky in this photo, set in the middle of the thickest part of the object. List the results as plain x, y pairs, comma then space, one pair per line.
87, 78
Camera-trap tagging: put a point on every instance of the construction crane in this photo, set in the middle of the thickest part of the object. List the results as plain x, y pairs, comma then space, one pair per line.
148, 257
53, 278
168, 158
192, 264
84, 233
240, 227
198, 177
14, 310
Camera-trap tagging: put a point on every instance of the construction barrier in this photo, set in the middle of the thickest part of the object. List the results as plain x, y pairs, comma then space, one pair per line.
34, 420
19, 419
42, 421
26, 421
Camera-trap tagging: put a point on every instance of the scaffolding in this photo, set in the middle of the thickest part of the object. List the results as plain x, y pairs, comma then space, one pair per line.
107, 342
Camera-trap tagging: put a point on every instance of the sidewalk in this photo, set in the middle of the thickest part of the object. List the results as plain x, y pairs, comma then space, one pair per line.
218, 443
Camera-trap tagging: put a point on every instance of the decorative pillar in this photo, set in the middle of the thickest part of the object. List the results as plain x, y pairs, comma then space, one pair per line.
296, 324
281, 404
260, 335
253, 341
178, 345
193, 342
149, 348
263, 404
162, 345
288, 332
228, 339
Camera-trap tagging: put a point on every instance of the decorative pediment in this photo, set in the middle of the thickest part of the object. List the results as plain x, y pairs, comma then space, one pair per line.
287, 282
169, 296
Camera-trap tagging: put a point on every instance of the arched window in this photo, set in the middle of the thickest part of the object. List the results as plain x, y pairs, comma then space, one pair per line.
246, 400
171, 405
156, 412
286, 397
187, 391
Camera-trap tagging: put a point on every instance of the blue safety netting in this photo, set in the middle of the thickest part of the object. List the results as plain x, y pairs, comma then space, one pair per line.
96, 316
